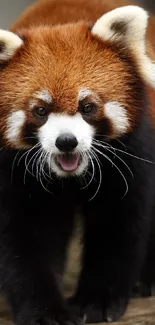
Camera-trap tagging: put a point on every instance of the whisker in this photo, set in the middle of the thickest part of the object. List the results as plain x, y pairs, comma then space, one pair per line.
126, 153
32, 158
40, 179
42, 165
119, 141
101, 142
25, 153
26, 158
100, 173
92, 176
27, 165
37, 163
35, 160
13, 164
105, 156
118, 157
136, 157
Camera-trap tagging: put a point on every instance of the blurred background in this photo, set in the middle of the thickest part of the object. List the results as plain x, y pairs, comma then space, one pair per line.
10, 9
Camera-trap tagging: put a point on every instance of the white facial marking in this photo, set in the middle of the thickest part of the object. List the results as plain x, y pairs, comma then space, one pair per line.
32, 103
15, 123
60, 124
118, 116
83, 93
43, 95
11, 43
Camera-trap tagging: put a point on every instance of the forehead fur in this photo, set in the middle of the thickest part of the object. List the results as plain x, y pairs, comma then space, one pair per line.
64, 59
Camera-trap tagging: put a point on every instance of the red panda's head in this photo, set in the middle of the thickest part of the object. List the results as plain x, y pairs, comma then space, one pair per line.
62, 86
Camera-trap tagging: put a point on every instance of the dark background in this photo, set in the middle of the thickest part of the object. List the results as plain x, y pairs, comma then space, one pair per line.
148, 4
10, 9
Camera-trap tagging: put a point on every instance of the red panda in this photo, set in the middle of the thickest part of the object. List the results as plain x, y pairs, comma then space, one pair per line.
77, 128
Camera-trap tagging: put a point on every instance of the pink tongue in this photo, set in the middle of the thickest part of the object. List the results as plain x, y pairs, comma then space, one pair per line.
68, 162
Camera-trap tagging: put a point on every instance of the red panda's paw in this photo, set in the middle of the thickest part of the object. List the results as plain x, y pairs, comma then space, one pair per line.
46, 320
41, 321
115, 310
35, 321
71, 319
97, 312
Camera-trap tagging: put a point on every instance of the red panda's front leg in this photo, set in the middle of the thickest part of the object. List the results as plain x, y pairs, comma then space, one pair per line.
33, 242
116, 233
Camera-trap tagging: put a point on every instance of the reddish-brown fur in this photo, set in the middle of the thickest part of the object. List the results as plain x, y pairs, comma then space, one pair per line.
47, 12
46, 57
55, 73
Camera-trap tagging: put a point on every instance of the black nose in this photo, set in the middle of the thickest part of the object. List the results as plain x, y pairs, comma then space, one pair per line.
66, 142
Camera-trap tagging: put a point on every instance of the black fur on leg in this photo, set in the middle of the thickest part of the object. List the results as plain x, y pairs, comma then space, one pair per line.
117, 229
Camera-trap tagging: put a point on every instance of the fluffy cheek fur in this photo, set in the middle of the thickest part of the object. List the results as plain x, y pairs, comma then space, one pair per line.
14, 127
118, 117
58, 125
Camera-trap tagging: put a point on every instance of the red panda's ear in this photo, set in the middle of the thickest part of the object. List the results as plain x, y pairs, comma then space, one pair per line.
127, 25
9, 44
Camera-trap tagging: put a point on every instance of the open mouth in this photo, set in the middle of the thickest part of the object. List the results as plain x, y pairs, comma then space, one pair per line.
68, 162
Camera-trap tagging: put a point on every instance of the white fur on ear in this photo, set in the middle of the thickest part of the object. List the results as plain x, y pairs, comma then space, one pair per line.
9, 43
127, 25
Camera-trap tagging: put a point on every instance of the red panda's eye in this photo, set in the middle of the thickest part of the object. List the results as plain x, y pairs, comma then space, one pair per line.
89, 108
41, 111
